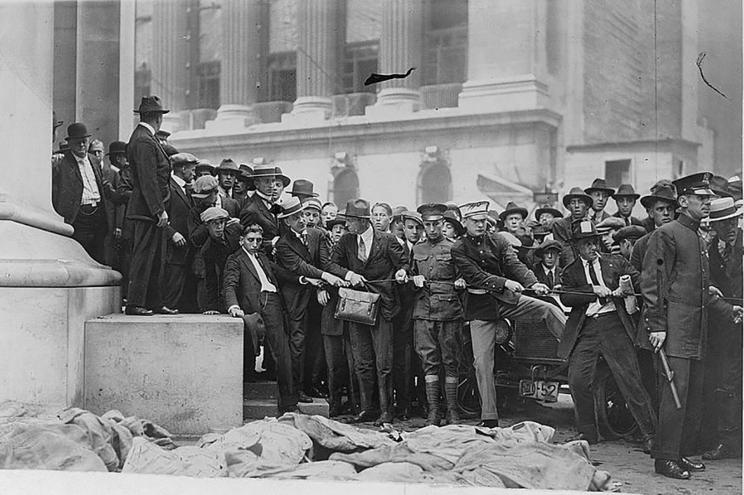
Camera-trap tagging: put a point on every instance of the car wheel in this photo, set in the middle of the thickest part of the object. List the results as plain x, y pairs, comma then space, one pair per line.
468, 398
613, 416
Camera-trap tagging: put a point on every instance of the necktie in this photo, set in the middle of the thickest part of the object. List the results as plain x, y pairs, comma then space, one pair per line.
595, 280
725, 252
551, 281
362, 251
303, 236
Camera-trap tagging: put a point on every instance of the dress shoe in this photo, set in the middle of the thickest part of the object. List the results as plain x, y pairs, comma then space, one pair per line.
690, 465
671, 469
137, 311
385, 417
165, 310
489, 423
305, 398
364, 417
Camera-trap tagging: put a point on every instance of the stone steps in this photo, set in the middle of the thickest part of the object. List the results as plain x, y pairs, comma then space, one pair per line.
259, 401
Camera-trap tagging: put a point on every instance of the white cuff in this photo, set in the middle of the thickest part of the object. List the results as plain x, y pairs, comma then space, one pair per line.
233, 306
303, 280
347, 277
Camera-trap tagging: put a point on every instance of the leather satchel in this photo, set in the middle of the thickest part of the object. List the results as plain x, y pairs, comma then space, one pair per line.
357, 306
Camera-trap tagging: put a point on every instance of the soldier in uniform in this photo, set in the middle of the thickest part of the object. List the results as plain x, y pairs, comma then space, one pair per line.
677, 300
437, 313
496, 280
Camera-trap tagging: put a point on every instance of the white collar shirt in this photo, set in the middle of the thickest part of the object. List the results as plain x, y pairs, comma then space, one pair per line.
367, 237
266, 286
181, 183
91, 194
148, 127
596, 308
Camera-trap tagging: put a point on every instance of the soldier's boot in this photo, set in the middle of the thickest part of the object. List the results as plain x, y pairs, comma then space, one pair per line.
432, 397
450, 393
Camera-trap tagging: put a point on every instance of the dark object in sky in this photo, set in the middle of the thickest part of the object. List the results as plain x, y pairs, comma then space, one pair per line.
378, 78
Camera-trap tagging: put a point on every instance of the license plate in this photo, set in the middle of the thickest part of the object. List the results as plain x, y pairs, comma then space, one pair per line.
539, 390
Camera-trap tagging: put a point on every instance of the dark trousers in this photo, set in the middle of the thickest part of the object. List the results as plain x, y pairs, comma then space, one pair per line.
90, 231
125, 263
146, 270
678, 429
174, 285
340, 365
315, 363
372, 347
605, 336
276, 335
647, 365
296, 333
436, 345
402, 359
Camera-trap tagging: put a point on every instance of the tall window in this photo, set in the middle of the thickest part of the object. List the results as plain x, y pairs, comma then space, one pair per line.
435, 184
345, 187
360, 60
207, 52
617, 172
143, 48
445, 41
282, 76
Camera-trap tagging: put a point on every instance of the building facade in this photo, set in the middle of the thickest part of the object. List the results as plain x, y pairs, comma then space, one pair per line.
508, 97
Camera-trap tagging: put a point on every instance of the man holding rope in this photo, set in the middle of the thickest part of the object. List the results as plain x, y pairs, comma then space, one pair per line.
496, 279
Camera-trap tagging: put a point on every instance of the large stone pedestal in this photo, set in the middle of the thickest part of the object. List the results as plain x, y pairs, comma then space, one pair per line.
183, 372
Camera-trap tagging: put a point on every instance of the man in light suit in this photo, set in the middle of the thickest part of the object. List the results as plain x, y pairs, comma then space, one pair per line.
148, 210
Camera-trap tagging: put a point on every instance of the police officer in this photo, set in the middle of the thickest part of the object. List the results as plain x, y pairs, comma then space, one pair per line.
437, 312
675, 284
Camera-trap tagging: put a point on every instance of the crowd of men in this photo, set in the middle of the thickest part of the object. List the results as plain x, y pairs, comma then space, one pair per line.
649, 296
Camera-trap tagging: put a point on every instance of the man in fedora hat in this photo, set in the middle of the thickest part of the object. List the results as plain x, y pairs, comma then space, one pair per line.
513, 217
227, 172
302, 189
368, 258
304, 253
660, 206
546, 269
179, 284
546, 215
723, 374
147, 210
677, 303
243, 187
204, 167
496, 279
78, 193
251, 285
437, 313
625, 199
599, 325
260, 209
578, 203
600, 193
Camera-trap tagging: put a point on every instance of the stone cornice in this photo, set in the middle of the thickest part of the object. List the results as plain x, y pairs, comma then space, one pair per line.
352, 128
664, 145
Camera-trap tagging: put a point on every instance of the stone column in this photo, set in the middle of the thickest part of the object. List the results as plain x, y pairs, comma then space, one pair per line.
48, 284
401, 46
97, 81
169, 60
506, 56
126, 69
317, 79
239, 70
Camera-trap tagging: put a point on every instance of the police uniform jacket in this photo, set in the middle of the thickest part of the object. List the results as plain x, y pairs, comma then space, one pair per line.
574, 279
150, 176
486, 262
437, 300
386, 256
639, 251
674, 284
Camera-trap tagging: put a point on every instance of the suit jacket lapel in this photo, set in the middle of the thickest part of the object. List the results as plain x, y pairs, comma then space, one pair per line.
180, 193
297, 246
375, 246
72, 162
249, 264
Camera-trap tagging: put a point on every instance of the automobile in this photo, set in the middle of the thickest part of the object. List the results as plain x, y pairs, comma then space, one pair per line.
527, 367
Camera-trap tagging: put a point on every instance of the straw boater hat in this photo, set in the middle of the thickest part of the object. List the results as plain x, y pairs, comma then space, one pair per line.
599, 185
269, 170
576, 192
723, 209
290, 206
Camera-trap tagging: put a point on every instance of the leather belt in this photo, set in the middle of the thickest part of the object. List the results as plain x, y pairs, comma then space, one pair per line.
600, 315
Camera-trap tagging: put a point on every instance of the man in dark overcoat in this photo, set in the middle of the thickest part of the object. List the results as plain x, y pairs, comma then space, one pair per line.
147, 209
